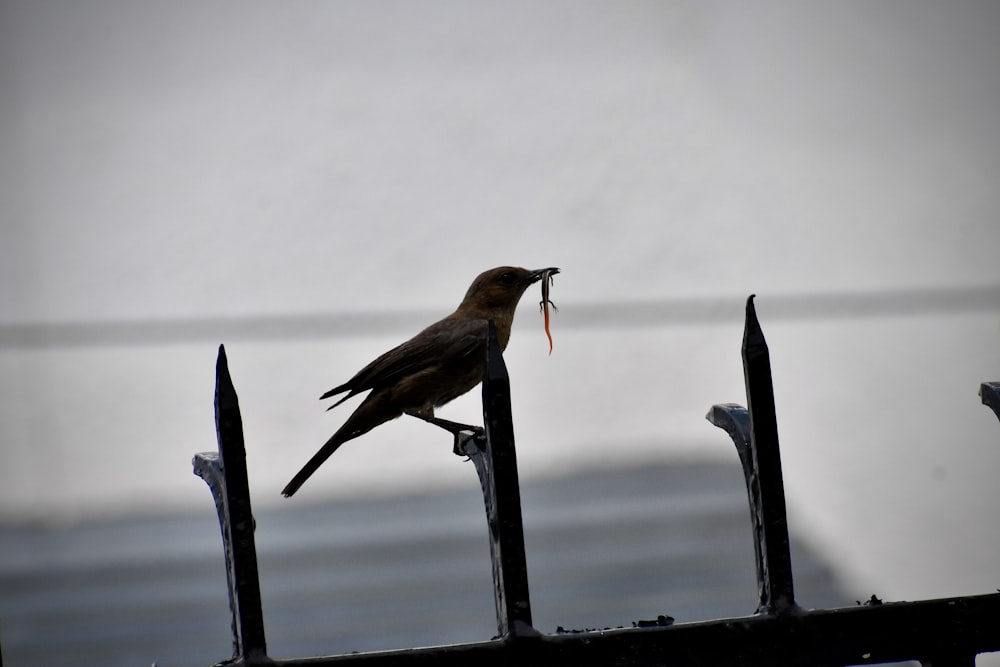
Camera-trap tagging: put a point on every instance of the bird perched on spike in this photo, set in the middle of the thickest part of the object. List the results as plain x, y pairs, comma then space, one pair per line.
438, 365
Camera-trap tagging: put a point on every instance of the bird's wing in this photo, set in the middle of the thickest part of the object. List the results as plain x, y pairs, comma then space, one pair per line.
442, 343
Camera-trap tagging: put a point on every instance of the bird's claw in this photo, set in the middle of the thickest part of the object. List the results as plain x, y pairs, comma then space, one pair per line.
463, 432
462, 439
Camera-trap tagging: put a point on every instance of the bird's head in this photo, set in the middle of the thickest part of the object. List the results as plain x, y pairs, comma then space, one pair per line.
502, 287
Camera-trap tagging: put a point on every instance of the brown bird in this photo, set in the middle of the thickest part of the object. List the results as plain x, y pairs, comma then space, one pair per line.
436, 366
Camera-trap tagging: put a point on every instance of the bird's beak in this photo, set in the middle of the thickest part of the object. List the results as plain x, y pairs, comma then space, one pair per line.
535, 276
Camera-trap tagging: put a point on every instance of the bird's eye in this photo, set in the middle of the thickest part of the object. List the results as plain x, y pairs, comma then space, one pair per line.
507, 278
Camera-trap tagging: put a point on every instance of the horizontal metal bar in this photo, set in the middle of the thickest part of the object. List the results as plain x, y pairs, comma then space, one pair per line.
890, 632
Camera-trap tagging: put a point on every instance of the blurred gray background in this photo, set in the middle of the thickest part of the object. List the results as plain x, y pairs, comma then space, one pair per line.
310, 183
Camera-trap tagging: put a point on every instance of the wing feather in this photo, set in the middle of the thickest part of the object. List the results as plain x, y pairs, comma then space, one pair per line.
443, 343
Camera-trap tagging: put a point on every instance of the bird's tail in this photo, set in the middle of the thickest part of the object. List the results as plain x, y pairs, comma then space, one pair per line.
335, 441
340, 390
376, 409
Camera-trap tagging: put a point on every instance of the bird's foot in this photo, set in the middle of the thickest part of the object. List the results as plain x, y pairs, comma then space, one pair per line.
463, 432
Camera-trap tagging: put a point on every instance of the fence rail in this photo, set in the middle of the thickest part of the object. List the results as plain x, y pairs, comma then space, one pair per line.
946, 632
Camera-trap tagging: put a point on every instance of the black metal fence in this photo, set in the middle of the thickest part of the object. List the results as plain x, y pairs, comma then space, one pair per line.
946, 632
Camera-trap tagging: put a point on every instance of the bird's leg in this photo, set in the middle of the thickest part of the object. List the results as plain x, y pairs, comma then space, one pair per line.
462, 432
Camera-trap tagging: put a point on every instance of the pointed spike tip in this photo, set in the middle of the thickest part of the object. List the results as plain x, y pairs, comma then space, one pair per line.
225, 392
751, 315
752, 324
222, 364
753, 335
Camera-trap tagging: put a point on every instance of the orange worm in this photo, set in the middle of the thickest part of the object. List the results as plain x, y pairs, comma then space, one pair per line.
544, 305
